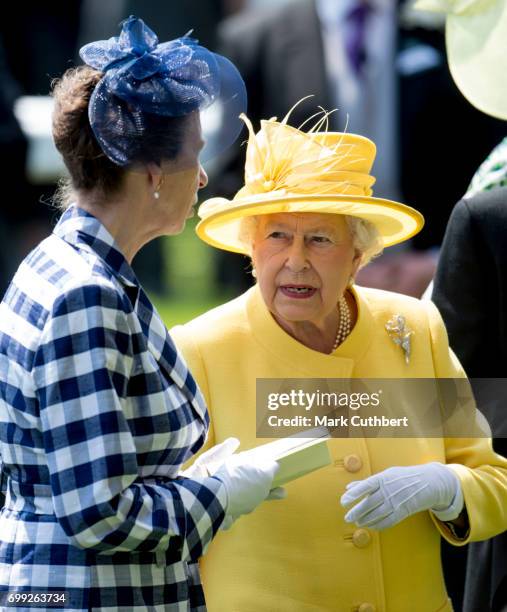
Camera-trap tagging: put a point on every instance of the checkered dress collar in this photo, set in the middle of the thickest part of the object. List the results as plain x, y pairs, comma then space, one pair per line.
79, 227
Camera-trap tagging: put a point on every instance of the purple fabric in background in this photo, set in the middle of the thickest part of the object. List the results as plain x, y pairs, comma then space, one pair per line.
355, 35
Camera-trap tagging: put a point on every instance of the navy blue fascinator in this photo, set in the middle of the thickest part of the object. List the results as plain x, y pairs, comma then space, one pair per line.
146, 82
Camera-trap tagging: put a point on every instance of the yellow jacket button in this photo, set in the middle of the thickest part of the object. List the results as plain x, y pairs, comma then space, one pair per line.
361, 538
352, 463
366, 607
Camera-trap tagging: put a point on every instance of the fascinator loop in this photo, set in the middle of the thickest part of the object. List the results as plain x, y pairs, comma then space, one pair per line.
145, 81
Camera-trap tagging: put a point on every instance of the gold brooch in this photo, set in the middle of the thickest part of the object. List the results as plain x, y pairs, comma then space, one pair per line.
400, 334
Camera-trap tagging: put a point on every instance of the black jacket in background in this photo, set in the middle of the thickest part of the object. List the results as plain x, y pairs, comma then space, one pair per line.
471, 293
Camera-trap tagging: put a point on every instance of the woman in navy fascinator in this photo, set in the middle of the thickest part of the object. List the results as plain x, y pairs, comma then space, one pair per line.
98, 410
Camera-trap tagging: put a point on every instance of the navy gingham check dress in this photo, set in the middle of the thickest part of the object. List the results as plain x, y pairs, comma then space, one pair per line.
97, 413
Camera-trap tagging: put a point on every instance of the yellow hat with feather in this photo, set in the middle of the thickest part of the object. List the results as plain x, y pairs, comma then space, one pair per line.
288, 170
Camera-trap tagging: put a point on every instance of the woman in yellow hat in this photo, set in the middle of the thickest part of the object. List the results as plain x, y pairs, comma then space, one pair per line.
308, 220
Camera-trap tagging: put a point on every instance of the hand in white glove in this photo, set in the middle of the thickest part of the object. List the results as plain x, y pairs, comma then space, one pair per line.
247, 484
210, 461
398, 492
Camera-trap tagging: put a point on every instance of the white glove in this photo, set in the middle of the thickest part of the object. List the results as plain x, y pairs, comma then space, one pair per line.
247, 484
398, 492
210, 461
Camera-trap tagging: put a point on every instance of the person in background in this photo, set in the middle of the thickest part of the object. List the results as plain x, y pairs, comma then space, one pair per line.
383, 67
307, 218
470, 286
452, 269
98, 410
492, 173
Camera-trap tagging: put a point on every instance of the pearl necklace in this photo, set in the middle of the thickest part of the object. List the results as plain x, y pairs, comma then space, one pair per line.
345, 326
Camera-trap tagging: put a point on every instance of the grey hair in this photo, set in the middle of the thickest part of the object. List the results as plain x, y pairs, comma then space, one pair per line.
365, 237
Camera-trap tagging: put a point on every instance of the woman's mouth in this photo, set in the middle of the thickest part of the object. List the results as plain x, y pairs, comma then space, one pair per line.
298, 292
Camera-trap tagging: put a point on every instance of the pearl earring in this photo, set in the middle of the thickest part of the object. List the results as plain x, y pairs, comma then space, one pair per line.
156, 193
254, 273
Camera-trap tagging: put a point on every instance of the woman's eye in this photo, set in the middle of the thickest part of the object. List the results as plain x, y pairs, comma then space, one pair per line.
320, 239
277, 235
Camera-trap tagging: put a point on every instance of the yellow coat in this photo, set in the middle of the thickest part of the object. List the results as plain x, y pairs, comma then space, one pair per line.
298, 555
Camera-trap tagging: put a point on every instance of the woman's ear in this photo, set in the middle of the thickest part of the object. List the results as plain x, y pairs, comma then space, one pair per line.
154, 176
356, 263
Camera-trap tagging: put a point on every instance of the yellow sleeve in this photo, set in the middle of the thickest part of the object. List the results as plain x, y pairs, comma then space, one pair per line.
482, 472
188, 348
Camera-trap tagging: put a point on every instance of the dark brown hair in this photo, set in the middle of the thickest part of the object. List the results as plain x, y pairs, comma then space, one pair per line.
88, 166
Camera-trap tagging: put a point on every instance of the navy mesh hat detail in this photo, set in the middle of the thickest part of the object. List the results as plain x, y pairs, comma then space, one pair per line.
145, 81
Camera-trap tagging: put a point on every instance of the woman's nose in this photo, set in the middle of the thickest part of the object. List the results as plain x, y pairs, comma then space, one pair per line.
297, 258
203, 178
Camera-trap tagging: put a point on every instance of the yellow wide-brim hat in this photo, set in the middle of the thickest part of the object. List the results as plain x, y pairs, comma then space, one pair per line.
291, 171
476, 41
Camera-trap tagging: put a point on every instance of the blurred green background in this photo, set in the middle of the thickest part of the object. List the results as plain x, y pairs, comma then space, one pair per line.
191, 278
